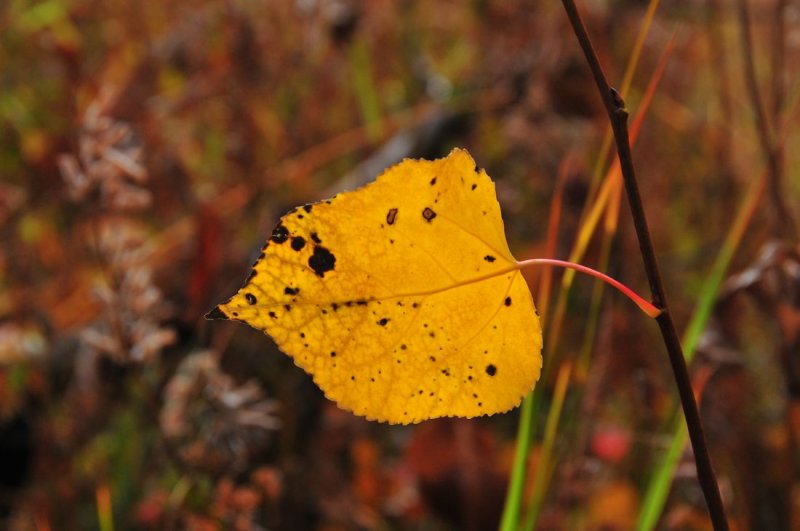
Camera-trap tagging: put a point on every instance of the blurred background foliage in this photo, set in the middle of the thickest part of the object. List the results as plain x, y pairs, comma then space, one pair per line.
147, 149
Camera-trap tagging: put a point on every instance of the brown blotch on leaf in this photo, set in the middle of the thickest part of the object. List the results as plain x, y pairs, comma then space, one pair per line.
321, 261
428, 214
280, 234
391, 216
298, 242
216, 313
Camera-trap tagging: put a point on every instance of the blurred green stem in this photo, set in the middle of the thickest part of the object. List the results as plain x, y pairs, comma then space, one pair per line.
364, 85
516, 485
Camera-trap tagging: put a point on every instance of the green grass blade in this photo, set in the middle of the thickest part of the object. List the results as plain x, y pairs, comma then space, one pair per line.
513, 505
545, 466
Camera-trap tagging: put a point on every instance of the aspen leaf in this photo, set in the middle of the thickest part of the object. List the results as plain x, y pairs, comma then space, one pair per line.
401, 298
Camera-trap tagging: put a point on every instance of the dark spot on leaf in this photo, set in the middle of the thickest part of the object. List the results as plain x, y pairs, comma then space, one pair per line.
361, 302
287, 307
428, 214
403, 346
216, 313
433, 181
383, 321
391, 216
280, 234
508, 301
446, 372
474, 186
236, 314
298, 243
415, 305
251, 299
322, 260
491, 370
252, 274
315, 238
291, 291
334, 306
353, 378
307, 207
432, 358
302, 335
272, 315
333, 354
300, 216
489, 258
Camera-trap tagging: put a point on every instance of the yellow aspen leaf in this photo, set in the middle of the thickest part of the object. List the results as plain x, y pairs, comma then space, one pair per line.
401, 298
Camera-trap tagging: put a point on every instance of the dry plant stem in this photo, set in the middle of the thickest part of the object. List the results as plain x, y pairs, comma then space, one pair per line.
618, 116
783, 221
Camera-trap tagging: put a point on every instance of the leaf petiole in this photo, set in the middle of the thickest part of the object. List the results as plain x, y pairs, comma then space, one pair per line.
644, 305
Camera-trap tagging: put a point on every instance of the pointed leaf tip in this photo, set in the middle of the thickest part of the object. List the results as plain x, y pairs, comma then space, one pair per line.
216, 313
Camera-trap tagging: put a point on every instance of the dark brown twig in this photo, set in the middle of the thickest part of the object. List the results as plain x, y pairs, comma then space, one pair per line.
618, 116
782, 219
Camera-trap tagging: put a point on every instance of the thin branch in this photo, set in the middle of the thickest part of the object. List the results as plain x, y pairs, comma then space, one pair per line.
783, 222
618, 116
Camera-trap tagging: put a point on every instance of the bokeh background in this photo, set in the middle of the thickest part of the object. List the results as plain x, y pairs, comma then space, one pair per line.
148, 148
